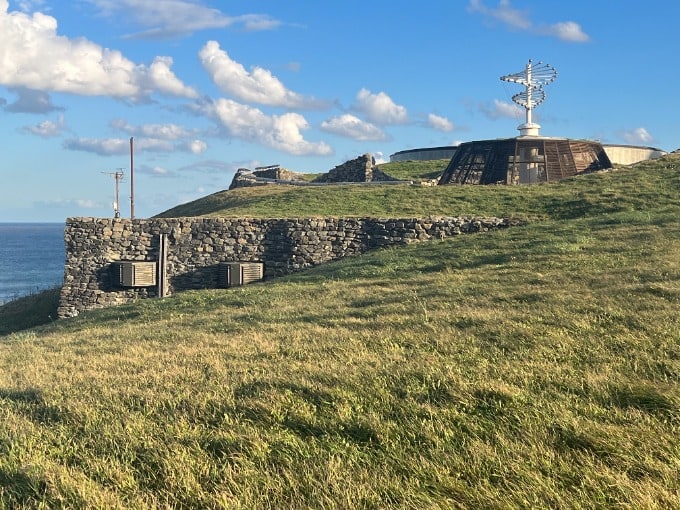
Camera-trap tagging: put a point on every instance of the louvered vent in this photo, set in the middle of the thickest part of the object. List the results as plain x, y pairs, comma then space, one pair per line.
231, 274
134, 274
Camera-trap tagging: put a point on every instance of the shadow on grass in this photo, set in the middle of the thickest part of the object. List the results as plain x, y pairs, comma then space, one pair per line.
30, 404
29, 311
18, 490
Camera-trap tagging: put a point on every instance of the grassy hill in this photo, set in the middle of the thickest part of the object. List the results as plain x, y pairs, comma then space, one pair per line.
532, 367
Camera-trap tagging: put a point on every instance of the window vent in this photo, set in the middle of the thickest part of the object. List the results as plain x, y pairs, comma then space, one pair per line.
231, 274
134, 274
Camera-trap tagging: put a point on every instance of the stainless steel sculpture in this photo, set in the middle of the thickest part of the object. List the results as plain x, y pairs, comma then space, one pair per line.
533, 77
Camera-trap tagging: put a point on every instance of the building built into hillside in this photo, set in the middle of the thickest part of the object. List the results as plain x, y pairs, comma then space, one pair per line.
529, 157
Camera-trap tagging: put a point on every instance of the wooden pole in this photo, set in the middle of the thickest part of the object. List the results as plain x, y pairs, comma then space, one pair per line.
132, 180
162, 283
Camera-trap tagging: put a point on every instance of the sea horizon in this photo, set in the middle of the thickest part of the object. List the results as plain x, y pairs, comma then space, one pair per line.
32, 257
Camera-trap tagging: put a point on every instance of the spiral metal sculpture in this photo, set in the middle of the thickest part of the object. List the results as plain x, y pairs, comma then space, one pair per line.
533, 77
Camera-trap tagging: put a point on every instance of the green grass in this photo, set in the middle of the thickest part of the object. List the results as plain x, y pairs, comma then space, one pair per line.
29, 311
535, 367
629, 189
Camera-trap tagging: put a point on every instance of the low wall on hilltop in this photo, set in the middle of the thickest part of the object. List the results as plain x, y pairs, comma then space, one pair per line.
196, 246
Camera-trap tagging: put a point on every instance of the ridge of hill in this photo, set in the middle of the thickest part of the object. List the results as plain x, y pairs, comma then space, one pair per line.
537, 366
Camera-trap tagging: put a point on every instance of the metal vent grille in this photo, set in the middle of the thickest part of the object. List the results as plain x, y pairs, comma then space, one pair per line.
134, 274
231, 274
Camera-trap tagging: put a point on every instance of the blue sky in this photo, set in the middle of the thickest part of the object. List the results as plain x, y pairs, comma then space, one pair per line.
206, 87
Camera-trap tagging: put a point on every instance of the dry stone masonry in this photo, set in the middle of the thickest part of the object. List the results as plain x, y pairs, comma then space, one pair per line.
361, 169
197, 246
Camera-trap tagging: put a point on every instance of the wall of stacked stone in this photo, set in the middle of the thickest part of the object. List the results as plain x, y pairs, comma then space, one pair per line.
196, 247
361, 169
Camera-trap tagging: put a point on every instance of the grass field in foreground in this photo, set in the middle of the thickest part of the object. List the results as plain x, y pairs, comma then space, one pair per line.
532, 367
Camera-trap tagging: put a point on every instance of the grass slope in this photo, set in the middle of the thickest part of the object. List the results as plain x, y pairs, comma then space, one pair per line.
620, 190
532, 367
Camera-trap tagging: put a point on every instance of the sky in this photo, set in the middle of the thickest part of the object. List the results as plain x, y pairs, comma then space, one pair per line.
205, 87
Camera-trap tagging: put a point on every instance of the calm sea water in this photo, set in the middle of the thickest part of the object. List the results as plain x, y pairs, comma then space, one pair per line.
32, 257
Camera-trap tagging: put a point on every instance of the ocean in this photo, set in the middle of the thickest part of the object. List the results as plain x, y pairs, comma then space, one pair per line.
32, 257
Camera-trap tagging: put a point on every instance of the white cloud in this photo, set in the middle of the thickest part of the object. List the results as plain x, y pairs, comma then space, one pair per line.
515, 19
31, 101
569, 31
257, 86
117, 146
501, 109
35, 57
161, 131
379, 158
172, 18
155, 171
48, 128
185, 138
195, 146
31, 5
439, 123
353, 127
282, 132
637, 136
504, 13
159, 77
379, 108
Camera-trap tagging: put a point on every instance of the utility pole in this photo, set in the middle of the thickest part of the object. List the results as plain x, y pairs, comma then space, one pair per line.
132, 180
118, 177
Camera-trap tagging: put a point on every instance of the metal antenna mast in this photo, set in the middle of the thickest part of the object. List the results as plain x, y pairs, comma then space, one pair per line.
118, 176
533, 77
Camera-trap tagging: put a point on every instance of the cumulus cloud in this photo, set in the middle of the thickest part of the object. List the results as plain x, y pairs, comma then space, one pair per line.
255, 86
195, 146
637, 136
47, 128
439, 123
162, 131
567, 31
379, 108
173, 18
185, 139
501, 109
31, 101
516, 19
281, 132
117, 146
353, 127
35, 57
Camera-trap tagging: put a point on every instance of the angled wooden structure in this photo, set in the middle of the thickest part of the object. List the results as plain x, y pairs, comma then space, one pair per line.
523, 160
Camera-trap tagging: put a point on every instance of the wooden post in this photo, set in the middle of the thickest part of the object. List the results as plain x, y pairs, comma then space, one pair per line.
162, 283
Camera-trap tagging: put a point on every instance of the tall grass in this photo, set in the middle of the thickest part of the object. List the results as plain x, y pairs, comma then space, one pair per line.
531, 367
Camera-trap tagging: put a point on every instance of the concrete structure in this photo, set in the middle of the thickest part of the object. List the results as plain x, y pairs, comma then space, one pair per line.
617, 154
424, 154
631, 154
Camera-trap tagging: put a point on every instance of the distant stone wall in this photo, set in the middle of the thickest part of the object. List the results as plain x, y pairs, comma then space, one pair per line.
244, 177
196, 246
361, 169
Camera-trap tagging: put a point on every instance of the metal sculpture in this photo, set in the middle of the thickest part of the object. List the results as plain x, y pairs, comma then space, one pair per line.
533, 77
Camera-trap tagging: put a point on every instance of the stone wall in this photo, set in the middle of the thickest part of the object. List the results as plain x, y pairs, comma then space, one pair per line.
196, 246
361, 169
245, 178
